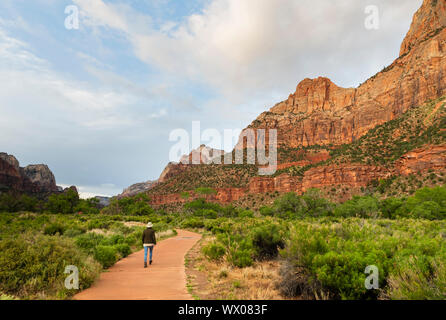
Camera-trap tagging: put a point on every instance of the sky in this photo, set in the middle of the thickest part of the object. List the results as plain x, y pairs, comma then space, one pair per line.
97, 103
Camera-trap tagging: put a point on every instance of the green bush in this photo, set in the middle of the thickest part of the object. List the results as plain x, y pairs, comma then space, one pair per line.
73, 232
266, 211
427, 203
106, 255
413, 281
363, 207
240, 258
214, 251
63, 203
33, 266
53, 229
123, 249
193, 223
89, 241
246, 214
267, 240
112, 240
335, 254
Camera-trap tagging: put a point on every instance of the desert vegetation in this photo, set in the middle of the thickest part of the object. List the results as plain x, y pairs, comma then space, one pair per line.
35, 249
301, 246
324, 247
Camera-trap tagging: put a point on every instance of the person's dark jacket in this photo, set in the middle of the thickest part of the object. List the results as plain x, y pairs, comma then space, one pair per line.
148, 236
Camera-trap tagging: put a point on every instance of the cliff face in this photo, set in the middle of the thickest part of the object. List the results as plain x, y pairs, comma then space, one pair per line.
351, 175
10, 176
428, 19
422, 159
321, 113
31, 179
41, 175
137, 188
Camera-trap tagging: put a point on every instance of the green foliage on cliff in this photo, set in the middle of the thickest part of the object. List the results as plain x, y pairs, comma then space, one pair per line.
388, 142
207, 176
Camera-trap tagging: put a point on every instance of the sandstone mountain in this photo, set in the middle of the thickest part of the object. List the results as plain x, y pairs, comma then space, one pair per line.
321, 113
137, 188
328, 135
201, 155
34, 179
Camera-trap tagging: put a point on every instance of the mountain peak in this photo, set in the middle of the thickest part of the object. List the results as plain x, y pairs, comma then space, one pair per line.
427, 21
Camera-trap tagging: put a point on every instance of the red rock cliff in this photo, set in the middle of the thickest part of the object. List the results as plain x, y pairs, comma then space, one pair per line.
321, 113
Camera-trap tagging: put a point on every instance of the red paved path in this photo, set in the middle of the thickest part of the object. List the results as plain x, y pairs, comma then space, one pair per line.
165, 279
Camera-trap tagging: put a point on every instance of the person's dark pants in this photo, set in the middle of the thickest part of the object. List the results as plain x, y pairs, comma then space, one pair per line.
145, 253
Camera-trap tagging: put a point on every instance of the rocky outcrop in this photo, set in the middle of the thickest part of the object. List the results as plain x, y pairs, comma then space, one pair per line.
10, 159
10, 177
427, 20
103, 201
353, 175
42, 176
170, 170
202, 155
422, 159
34, 179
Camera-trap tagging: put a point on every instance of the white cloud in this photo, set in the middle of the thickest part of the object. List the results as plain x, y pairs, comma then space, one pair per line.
30, 83
262, 47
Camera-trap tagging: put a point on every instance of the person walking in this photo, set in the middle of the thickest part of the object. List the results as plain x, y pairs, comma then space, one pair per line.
148, 241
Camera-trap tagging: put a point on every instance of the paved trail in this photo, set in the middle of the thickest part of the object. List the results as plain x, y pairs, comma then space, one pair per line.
165, 279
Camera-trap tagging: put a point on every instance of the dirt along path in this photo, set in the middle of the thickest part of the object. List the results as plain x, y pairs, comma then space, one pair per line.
165, 279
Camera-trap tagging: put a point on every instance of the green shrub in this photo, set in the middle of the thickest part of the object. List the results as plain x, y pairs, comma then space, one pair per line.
266, 211
106, 255
123, 249
363, 207
53, 229
214, 251
89, 241
193, 223
240, 258
32, 266
73, 232
267, 240
335, 254
246, 214
411, 281
112, 240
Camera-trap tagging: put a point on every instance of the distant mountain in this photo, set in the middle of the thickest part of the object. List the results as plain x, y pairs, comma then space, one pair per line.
103, 201
33, 179
202, 154
137, 188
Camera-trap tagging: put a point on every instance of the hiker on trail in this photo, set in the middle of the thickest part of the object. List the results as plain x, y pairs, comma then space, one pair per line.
148, 241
